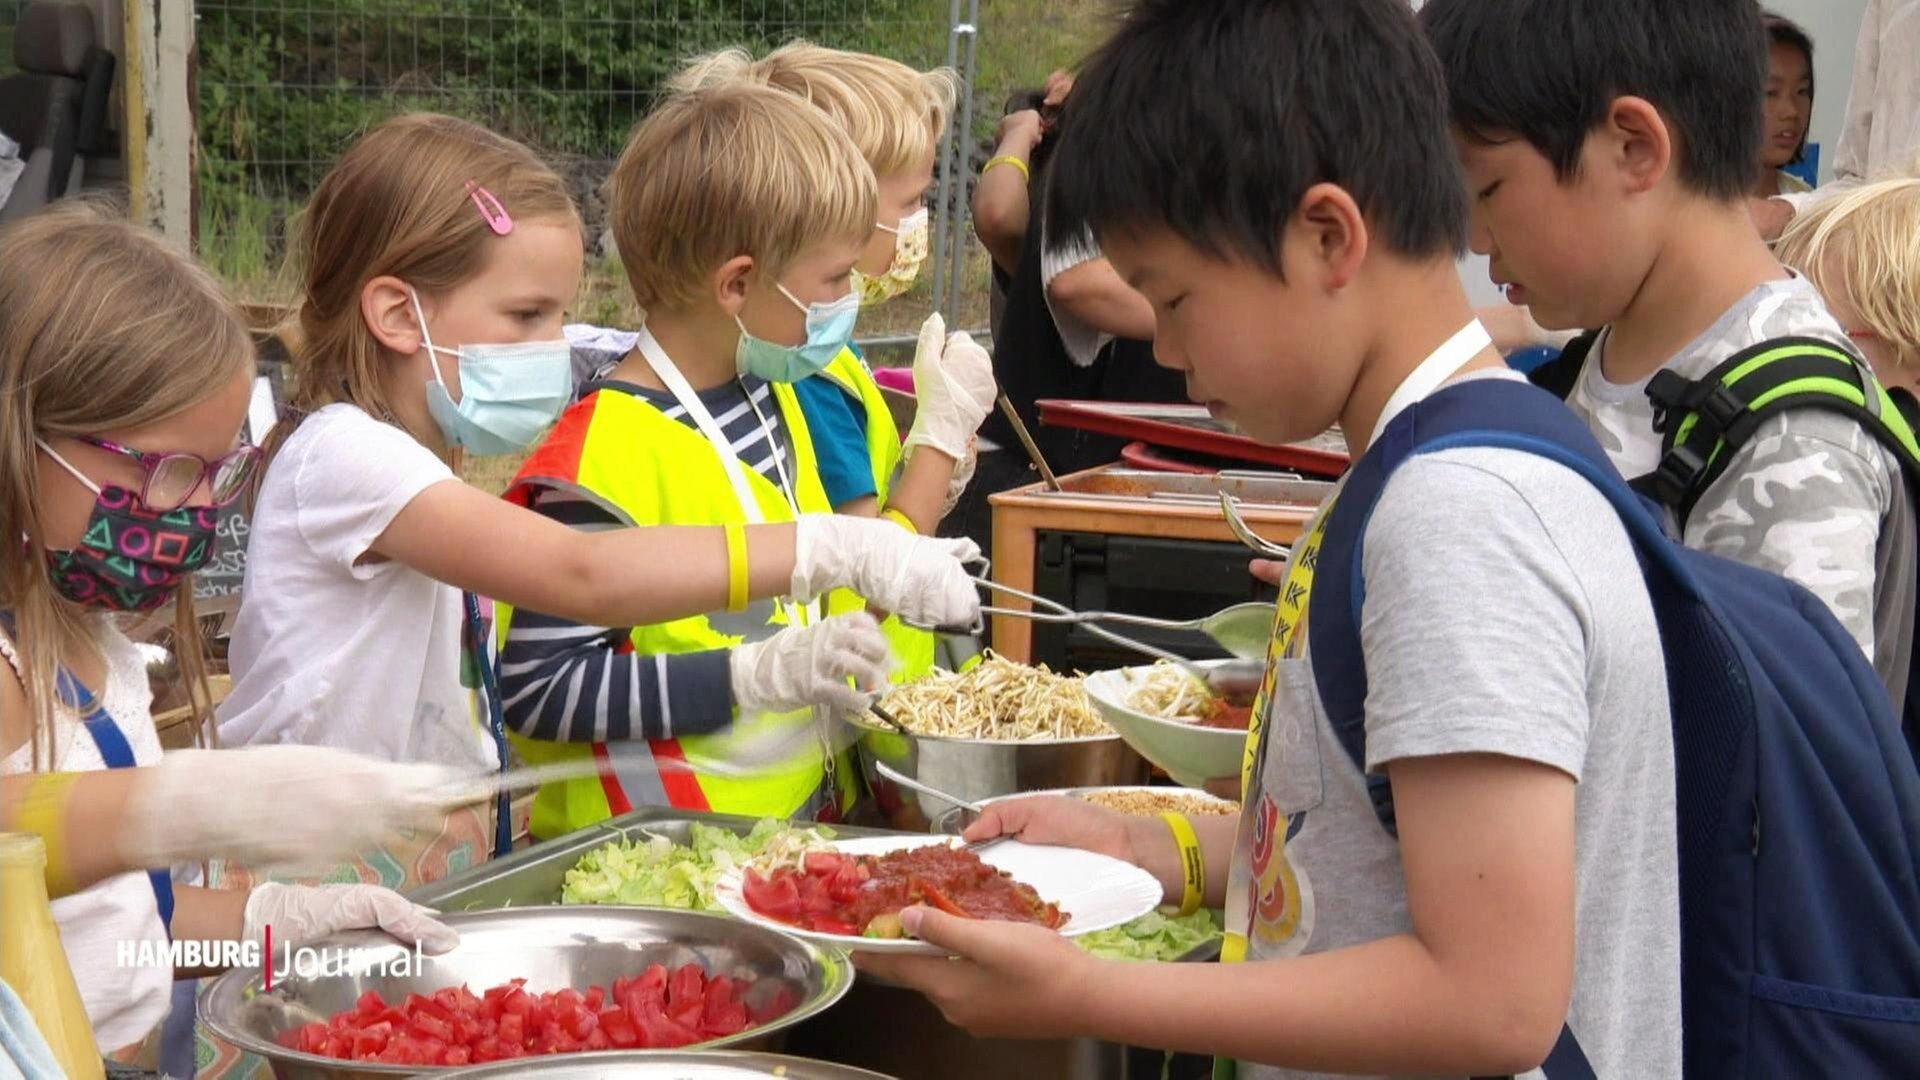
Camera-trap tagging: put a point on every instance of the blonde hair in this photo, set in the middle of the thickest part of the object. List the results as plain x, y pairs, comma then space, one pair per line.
1864, 244
894, 114
726, 171
398, 203
103, 326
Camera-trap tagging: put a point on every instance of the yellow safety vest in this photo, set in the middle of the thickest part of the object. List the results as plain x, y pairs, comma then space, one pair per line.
650, 469
913, 648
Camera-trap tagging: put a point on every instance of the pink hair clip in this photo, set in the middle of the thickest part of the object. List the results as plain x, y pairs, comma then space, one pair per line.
496, 215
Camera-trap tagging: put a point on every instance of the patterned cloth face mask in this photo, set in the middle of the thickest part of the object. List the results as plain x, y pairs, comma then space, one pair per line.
909, 253
130, 558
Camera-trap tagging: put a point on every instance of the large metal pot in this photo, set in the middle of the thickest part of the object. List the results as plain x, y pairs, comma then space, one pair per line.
550, 947
666, 1065
978, 769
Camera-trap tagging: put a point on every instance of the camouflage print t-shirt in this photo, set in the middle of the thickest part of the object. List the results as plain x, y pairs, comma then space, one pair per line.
1811, 496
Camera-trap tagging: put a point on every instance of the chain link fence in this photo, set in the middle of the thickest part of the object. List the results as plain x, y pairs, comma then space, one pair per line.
285, 85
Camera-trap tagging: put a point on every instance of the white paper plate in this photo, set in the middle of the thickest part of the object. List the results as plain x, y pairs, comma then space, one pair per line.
1094, 891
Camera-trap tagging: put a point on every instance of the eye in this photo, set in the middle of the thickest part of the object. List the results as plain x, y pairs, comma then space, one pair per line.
1487, 192
1175, 303
529, 314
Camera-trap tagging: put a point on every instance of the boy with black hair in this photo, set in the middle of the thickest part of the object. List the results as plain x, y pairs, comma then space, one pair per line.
1294, 218
1609, 146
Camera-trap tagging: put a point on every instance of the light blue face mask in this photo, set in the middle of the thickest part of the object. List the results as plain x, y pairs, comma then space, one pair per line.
509, 394
829, 329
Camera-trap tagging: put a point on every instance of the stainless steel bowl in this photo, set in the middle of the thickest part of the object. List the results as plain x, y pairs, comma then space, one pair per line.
550, 947
665, 1065
976, 769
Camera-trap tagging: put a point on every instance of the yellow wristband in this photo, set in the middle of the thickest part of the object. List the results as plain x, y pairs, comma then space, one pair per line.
899, 519
1193, 862
736, 566
42, 812
1008, 159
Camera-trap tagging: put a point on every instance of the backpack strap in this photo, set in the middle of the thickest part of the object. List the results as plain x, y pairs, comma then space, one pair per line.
1704, 422
1561, 374
1496, 413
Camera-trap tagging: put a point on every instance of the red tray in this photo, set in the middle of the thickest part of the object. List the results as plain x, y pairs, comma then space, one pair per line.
1190, 427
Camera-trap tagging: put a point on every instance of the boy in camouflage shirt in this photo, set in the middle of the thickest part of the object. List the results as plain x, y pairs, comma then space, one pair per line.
1608, 145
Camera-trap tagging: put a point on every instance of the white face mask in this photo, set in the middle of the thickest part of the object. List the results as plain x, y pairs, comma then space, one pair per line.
909, 252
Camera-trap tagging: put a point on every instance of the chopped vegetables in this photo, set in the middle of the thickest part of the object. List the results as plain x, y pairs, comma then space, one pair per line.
1153, 936
656, 872
863, 895
656, 1010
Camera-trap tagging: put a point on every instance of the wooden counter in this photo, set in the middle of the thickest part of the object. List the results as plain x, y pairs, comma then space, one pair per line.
1021, 514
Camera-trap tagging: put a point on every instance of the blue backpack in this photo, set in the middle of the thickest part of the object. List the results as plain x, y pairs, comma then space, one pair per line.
1798, 803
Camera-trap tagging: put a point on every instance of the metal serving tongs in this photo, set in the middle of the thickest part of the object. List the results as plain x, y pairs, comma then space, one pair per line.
1243, 532
1237, 677
911, 784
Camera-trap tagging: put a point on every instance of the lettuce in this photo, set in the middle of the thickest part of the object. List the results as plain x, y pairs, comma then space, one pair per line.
653, 871
1152, 936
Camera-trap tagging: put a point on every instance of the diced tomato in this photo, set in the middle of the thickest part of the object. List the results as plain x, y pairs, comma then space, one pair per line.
595, 998
824, 863
513, 1029
844, 885
370, 1004
619, 1028
688, 985
729, 1019
720, 991
597, 1040
307, 1038
457, 1055
516, 1003
777, 897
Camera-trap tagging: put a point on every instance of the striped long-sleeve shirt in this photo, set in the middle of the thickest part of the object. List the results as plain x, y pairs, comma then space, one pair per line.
571, 682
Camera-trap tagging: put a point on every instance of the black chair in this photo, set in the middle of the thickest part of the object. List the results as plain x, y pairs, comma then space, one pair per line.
55, 107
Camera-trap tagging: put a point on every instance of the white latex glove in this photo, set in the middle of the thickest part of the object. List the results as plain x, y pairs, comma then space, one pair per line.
299, 913
953, 389
918, 578
277, 805
803, 666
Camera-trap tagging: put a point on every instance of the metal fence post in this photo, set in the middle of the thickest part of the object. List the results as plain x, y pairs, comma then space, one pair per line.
943, 231
159, 119
962, 146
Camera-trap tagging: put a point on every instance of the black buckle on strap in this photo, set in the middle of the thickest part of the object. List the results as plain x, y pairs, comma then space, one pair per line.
1674, 478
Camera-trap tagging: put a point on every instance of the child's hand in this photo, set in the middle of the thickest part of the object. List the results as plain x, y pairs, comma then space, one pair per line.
954, 389
1268, 570
1009, 981
803, 666
1019, 132
1066, 822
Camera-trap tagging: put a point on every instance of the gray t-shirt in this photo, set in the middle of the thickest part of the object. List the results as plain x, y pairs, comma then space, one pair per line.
1811, 496
1505, 614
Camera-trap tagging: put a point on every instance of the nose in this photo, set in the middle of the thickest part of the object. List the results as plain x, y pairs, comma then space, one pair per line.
1167, 351
1479, 234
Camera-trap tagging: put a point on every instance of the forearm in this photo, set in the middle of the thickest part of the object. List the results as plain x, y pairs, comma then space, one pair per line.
1095, 294
1156, 852
1390, 1007
922, 488
567, 682
660, 573
83, 823
207, 915
1001, 202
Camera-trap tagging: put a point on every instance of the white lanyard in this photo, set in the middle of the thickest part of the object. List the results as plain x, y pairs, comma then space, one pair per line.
683, 392
1422, 381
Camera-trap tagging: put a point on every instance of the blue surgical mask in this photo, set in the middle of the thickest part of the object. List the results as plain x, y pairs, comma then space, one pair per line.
509, 394
829, 330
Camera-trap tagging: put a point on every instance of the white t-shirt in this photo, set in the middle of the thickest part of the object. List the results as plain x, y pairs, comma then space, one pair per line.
124, 1004
332, 651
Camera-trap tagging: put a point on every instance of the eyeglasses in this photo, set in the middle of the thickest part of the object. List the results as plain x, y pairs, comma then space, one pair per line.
169, 480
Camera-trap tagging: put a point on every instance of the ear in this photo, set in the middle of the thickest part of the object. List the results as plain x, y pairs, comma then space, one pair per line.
732, 282
1328, 237
386, 303
1638, 142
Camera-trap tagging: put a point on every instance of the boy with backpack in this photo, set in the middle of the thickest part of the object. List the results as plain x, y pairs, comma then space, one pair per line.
1461, 851
1608, 148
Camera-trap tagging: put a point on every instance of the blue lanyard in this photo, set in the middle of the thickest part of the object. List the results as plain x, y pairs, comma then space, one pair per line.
117, 754
476, 636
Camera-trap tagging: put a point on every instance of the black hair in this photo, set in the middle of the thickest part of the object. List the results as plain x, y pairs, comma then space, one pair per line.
1211, 118
1784, 31
1547, 71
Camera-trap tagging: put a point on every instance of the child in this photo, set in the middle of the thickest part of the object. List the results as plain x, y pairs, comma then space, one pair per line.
431, 236
1609, 145
895, 116
1517, 697
1789, 108
740, 212
125, 376
1861, 249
